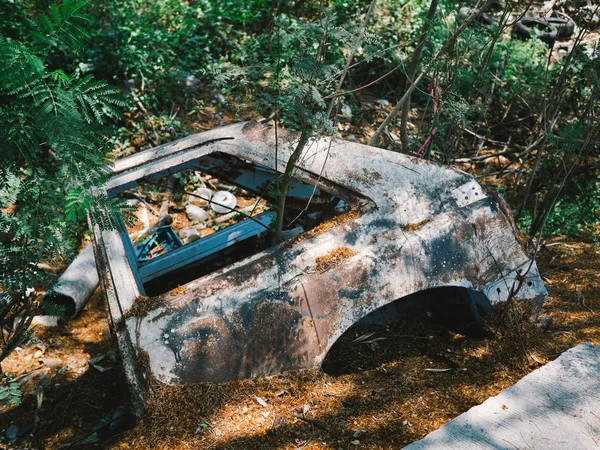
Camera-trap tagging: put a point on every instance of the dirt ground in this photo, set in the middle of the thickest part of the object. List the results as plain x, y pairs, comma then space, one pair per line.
385, 399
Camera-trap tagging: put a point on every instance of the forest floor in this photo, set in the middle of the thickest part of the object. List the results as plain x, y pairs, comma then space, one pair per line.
75, 394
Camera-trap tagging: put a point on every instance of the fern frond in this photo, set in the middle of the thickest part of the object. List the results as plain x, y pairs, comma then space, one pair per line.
97, 100
63, 26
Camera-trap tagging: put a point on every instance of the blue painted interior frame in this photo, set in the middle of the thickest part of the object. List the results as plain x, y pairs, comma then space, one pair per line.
205, 247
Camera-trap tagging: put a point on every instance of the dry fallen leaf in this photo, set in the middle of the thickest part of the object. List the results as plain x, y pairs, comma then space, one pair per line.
260, 401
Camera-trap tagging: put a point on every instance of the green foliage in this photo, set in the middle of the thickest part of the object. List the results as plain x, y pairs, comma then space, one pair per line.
575, 214
63, 26
299, 76
10, 393
51, 124
159, 49
169, 56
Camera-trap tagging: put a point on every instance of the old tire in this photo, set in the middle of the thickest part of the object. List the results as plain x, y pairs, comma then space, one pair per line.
480, 18
565, 27
529, 27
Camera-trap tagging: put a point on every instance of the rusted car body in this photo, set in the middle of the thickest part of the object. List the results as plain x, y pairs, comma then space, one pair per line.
412, 226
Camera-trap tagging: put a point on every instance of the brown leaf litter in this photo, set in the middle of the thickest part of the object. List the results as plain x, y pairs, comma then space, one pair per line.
384, 399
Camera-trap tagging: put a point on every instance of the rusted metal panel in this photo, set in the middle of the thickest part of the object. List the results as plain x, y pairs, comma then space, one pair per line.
415, 225
120, 291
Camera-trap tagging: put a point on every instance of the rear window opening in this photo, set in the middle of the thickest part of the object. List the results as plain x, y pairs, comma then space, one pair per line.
196, 220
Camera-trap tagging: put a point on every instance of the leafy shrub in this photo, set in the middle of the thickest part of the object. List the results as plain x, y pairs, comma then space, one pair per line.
10, 393
577, 213
51, 126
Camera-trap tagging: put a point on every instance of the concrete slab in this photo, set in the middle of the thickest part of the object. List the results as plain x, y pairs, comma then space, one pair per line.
554, 407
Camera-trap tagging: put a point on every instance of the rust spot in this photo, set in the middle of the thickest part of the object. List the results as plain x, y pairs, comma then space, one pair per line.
326, 226
244, 273
502, 204
178, 290
142, 306
416, 226
372, 174
262, 338
333, 258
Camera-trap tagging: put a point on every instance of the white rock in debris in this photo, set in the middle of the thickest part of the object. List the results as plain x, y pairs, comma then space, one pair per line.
45, 321
223, 202
192, 238
141, 214
346, 111
383, 102
343, 126
191, 80
196, 213
187, 232
200, 197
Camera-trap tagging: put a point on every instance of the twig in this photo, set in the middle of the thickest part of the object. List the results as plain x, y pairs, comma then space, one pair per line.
360, 88
492, 141
412, 70
316, 423
164, 207
414, 83
351, 57
408, 336
143, 200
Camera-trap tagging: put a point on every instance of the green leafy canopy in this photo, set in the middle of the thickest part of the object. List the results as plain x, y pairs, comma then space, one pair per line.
52, 128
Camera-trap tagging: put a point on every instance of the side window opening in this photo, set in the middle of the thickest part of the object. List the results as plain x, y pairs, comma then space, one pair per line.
218, 211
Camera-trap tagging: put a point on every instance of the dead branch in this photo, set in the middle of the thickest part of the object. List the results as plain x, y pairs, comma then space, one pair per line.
413, 83
316, 423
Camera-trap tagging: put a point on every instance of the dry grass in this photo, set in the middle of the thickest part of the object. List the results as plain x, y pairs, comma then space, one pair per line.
140, 307
326, 226
333, 258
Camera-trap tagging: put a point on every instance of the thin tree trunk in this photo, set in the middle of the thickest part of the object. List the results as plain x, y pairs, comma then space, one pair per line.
412, 70
548, 120
413, 83
272, 14
286, 179
536, 164
334, 100
553, 195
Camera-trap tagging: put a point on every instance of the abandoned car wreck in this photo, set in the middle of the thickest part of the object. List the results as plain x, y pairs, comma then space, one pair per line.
368, 227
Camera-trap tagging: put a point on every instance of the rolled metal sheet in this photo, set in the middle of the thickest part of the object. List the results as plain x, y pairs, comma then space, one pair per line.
77, 284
